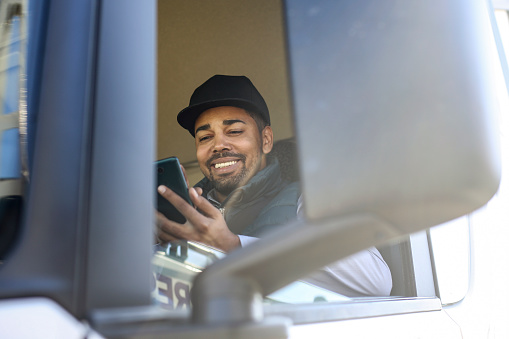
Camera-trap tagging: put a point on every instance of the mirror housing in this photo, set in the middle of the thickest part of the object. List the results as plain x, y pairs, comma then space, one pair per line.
395, 113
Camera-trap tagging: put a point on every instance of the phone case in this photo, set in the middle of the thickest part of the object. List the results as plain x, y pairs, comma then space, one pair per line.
169, 174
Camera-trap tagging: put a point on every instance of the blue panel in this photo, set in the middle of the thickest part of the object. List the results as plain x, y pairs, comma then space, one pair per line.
12, 73
10, 166
12, 91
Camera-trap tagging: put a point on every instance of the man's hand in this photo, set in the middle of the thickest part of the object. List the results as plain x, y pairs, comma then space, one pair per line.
208, 227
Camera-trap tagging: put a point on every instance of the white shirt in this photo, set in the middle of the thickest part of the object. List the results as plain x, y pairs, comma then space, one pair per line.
359, 275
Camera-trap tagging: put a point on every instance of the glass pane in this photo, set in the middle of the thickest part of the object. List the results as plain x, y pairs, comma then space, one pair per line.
451, 251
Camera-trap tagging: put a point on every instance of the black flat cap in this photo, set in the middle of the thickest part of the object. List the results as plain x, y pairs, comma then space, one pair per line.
223, 90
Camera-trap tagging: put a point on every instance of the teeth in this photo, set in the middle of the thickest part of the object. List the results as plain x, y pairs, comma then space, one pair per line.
224, 164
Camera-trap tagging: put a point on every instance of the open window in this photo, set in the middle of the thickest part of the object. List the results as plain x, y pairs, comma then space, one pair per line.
251, 42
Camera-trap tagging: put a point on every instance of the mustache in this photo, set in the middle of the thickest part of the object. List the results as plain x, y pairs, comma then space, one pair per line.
216, 156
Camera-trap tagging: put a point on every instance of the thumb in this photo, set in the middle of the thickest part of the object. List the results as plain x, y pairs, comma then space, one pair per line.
199, 190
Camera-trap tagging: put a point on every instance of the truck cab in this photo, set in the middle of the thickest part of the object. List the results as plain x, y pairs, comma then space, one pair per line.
398, 114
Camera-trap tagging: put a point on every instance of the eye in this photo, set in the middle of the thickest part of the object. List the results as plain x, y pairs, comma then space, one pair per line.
204, 138
235, 132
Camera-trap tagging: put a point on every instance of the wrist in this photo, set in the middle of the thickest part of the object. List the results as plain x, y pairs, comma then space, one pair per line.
233, 243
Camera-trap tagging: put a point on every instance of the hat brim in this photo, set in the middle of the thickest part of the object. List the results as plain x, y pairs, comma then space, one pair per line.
187, 117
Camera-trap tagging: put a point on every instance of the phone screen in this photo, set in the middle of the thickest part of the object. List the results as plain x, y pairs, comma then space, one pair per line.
169, 174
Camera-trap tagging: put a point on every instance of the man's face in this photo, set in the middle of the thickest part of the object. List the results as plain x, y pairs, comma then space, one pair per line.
229, 147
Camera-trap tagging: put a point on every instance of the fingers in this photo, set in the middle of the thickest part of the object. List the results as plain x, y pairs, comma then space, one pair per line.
189, 212
180, 204
168, 230
197, 223
203, 204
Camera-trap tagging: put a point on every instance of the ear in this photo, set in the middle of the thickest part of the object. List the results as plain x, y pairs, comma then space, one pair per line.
267, 139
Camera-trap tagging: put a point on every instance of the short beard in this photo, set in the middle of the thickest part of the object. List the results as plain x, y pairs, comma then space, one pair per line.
227, 184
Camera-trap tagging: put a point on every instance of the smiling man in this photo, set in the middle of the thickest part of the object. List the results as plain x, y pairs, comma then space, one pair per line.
244, 193
230, 148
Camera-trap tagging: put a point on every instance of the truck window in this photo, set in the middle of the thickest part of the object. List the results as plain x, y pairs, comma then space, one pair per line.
237, 40
418, 275
12, 120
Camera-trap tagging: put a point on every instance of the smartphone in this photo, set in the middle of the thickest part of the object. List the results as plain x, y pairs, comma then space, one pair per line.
169, 173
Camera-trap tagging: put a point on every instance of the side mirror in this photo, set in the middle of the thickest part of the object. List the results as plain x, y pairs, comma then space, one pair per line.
395, 113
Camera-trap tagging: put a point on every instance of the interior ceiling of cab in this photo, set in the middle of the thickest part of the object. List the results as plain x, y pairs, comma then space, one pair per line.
197, 39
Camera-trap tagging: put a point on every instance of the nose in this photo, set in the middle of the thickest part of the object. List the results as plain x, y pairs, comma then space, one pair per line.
221, 144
